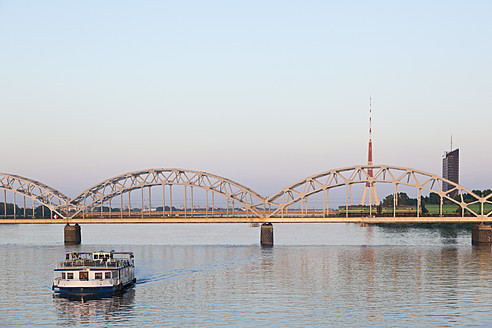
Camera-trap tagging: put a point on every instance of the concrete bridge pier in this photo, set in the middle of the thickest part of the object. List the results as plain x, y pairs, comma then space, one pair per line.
266, 235
482, 234
72, 234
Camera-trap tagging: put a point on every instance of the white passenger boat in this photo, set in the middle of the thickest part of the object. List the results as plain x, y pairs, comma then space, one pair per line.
94, 273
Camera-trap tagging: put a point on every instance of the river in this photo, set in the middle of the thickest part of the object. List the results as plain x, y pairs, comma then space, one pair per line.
217, 275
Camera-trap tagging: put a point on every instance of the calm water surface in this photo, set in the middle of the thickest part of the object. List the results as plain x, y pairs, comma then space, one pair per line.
217, 275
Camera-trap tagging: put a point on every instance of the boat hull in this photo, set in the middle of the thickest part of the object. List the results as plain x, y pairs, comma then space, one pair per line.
83, 291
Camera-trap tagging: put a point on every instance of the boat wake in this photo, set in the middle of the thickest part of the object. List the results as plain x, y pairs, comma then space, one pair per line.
176, 273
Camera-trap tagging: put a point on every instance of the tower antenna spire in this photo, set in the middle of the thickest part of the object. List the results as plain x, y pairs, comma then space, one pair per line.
370, 173
369, 151
370, 119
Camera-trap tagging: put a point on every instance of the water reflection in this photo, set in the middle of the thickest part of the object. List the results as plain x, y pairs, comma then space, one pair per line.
73, 310
482, 259
449, 235
267, 258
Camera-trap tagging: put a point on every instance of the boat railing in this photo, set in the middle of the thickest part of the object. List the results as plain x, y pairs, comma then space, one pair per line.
93, 263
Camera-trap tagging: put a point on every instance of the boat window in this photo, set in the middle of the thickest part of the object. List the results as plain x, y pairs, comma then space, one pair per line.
69, 275
83, 275
107, 275
63, 275
115, 274
99, 275
96, 256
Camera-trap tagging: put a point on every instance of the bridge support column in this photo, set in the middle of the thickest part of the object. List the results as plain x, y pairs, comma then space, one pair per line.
266, 235
482, 234
72, 234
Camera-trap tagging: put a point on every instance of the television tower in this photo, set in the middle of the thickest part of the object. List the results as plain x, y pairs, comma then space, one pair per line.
370, 185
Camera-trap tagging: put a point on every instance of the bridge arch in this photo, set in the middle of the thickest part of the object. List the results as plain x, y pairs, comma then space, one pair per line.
108, 189
347, 176
38, 192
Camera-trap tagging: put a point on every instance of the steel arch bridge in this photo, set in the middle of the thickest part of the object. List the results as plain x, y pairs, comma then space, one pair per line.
38, 192
348, 176
278, 208
125, 183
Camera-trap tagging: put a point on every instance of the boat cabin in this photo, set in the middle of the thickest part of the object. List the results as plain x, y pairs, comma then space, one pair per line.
95, 270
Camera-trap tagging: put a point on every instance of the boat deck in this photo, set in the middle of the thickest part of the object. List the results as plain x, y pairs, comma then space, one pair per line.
93, 264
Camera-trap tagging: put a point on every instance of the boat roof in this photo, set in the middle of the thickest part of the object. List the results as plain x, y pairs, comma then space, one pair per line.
100, 252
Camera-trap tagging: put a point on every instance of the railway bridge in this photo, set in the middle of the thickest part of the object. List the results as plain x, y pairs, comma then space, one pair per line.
188, 196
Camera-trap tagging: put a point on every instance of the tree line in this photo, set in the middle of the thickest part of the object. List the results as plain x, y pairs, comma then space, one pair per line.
19, 211
433, 198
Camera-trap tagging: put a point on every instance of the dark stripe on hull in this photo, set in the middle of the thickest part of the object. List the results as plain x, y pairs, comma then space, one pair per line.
87, 290
91, 290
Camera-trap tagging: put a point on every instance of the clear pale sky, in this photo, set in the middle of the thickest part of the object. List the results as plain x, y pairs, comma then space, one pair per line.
262, 92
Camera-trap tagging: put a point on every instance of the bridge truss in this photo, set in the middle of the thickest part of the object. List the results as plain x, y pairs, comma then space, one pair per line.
234, 193
39, 193
300, 191
224, 198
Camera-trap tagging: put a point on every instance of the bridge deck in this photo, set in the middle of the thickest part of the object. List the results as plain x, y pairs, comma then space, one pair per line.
94, 220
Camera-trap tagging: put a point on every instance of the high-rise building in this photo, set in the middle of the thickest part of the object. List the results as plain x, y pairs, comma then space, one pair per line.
451, 169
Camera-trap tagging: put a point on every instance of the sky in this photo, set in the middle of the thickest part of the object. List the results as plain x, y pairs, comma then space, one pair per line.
261, 92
